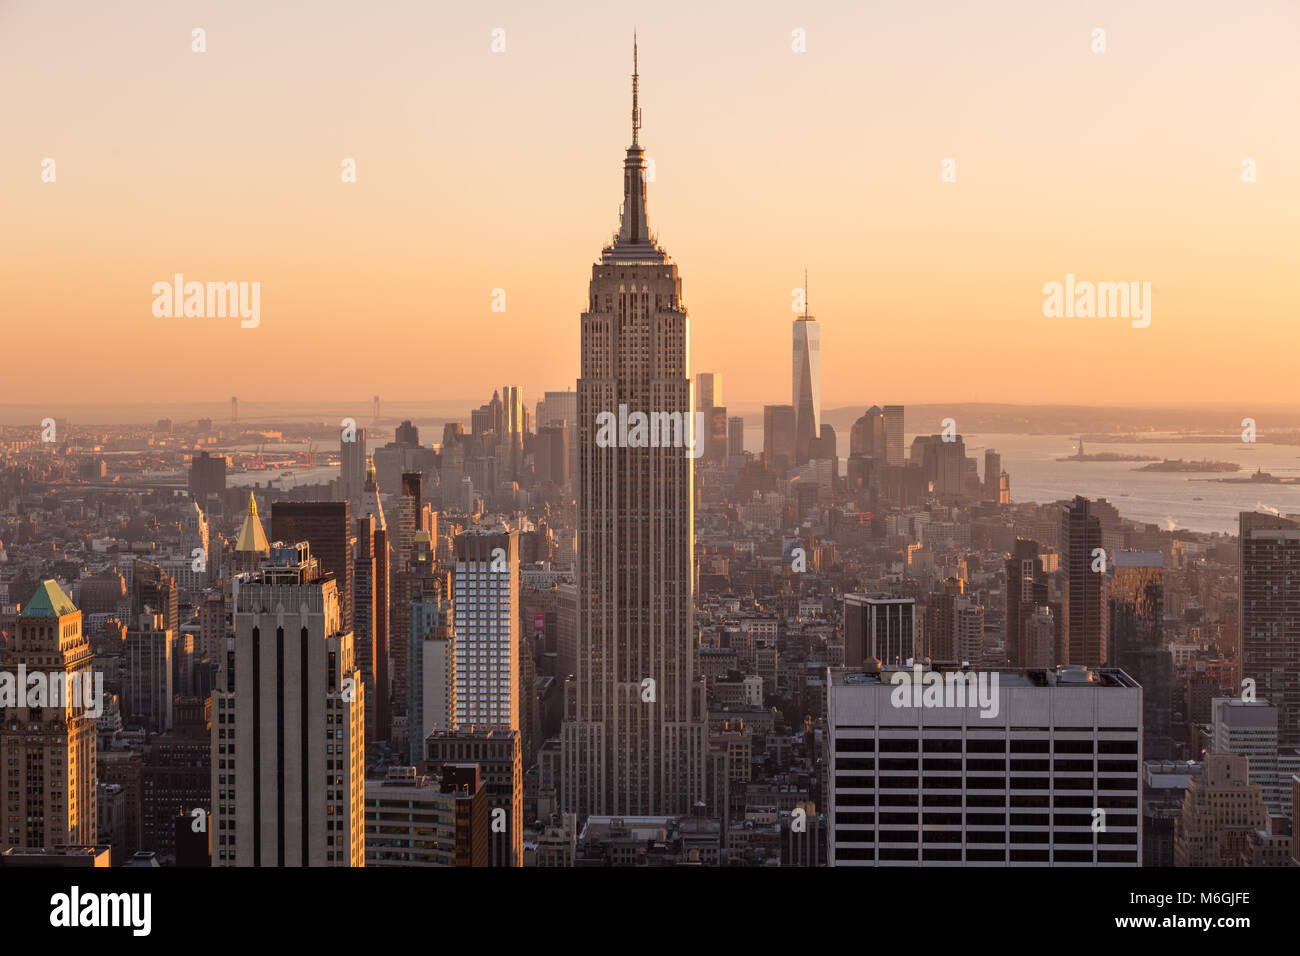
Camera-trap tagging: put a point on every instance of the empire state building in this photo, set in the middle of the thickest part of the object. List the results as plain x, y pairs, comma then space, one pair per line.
634, 732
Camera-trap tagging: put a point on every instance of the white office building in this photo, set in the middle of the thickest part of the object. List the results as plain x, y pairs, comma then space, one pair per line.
288, 723
992, 768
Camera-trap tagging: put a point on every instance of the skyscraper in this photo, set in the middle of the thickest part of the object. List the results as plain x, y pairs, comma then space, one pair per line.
633, 738
353, 461
207, 476
288, 723
327, 527
365, 605
409, 517
48, 776
557, 407
715, 434
708, 390
177, 776
147, 684
514, 422
806, 383
779, 442
407, 435
1026, 592
552, 454
735, 437
1135, 608
417, 583
880, 626
950, 465
992, 474
968, 630
433, 669
409, 569
152, 587
1270, 628
868, 438
486, 587
370, 613
485, 582
954, 626
1136, 595
430, 650
1083, 610
498, 754
894, 452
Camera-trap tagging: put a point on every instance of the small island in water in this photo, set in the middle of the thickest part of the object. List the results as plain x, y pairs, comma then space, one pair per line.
1105, 456
1260, 477
1179, 464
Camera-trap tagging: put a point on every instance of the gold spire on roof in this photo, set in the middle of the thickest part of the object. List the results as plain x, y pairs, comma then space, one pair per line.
251, 535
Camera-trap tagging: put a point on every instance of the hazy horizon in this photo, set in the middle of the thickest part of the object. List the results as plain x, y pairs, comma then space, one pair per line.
27, 415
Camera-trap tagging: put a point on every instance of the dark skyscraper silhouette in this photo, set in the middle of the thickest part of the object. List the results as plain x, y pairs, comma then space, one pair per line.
1084, 607
327, 527
1026, 591
1270, 616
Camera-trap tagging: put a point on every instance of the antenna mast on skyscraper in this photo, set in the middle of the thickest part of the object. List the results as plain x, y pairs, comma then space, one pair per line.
636, 110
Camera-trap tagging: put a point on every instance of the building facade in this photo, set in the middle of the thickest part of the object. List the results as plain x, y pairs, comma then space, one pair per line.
288, 723
485, 583
921, 775
633, 738
48, 783
1270, 616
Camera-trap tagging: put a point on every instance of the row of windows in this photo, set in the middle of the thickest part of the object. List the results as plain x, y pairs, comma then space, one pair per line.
955, 855
953, 745
1058, 837
868, 781
991, 801
986, 764
972, 819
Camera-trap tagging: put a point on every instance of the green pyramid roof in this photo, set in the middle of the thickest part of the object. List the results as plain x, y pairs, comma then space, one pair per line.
48, 601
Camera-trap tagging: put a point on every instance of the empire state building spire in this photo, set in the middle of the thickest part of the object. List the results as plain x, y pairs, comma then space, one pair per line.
636, 110
633, 240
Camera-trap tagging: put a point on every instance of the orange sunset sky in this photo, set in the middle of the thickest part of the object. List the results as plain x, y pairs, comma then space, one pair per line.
479, 170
